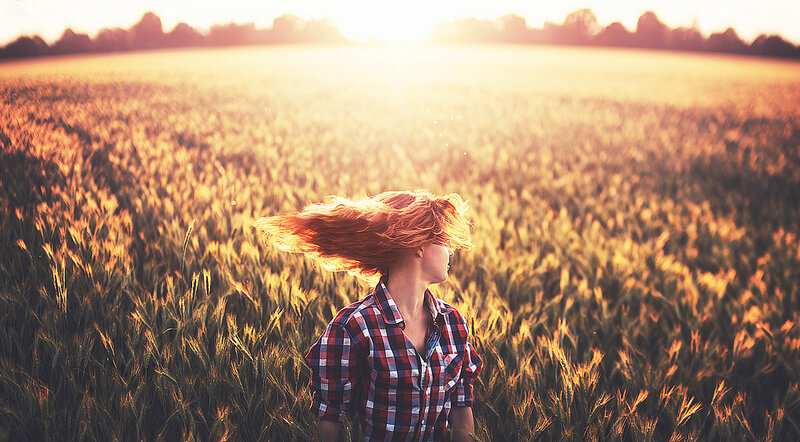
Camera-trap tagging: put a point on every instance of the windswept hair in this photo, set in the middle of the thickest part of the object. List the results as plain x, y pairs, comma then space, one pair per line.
364, 237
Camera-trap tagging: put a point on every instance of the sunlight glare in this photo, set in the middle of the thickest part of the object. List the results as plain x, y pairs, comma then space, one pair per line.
402, 22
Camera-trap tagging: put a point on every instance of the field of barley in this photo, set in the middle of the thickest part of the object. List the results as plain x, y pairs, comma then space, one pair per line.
636, 228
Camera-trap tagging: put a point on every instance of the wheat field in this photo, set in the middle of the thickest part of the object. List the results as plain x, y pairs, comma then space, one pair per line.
636, 219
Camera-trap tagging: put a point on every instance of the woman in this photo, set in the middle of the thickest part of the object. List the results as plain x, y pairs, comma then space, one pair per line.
398, 362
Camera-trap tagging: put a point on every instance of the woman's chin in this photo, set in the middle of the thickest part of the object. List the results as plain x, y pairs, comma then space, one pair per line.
439, 278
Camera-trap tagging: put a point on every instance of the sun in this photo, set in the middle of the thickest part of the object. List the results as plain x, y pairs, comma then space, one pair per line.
396, 22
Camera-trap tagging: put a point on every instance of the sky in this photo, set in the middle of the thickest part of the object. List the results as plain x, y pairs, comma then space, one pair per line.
409, 20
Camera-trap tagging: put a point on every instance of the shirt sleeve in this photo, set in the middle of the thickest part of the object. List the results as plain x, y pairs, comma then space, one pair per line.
471, 367
334, 364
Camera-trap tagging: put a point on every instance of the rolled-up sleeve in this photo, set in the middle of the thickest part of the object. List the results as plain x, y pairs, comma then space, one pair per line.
471, 367
334, 364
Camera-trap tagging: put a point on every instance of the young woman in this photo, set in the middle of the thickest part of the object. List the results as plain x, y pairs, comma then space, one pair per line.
398, 362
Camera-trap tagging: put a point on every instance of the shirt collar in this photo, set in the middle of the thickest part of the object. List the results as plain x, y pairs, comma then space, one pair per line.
391, 314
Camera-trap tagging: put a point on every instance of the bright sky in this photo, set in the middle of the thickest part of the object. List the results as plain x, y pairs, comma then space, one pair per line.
409, 20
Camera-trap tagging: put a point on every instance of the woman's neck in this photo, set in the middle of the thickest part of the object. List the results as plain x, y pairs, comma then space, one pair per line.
407, 289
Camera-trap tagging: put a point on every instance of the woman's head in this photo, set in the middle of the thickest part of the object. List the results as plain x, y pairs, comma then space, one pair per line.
364, 237
434, 260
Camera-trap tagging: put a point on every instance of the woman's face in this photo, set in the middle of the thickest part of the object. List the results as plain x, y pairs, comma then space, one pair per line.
435, 262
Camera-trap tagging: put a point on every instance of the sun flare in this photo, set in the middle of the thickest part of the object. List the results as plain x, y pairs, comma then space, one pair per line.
395, 23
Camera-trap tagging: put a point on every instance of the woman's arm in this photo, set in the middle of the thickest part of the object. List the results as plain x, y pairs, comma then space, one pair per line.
462, 423
330, 431
335, 362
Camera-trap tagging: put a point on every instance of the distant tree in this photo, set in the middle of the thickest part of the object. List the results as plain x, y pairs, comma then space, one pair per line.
650, 32
24, 47
579, 27
535, 36
614, 34
320, 31
285, 27
687, 39
513, 29
184, 35
71, 43
773, 46
233, 34
551, 33
148, 32
727, 41
112, 40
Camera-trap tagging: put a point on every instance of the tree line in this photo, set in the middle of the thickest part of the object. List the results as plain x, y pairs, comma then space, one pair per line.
148, 33
582, 28
579, 28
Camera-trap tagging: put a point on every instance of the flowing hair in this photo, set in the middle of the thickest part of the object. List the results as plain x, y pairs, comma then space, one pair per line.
365, 237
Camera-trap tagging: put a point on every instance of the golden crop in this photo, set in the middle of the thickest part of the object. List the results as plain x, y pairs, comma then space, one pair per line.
636, 262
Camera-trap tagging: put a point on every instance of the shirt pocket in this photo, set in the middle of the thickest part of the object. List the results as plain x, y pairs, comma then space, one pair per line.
387, 377
450, 370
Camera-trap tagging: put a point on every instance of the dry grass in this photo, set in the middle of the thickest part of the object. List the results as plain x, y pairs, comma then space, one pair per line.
635, 274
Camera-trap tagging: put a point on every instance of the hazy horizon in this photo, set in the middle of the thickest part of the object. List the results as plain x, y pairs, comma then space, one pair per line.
362, 21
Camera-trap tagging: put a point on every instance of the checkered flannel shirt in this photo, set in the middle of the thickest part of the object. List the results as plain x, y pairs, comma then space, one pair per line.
365, 365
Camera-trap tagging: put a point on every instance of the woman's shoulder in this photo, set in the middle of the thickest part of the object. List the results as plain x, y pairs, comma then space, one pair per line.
453, 317
447, 309
353, 314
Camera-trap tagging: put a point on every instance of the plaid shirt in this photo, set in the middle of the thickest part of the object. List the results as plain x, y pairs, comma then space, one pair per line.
365, 365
